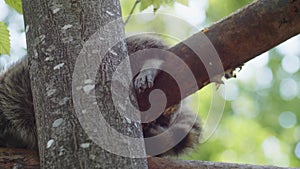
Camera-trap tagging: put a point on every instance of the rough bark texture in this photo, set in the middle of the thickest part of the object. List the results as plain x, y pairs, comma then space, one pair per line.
18, 158
56, 33
29, 159
238, 38
160, 163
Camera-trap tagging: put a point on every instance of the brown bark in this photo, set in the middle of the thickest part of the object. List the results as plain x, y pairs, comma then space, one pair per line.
29, 159
162, 163
238, 38
10, 158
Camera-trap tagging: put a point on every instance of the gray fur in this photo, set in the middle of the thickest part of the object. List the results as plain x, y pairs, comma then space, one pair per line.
17, 126
17, 123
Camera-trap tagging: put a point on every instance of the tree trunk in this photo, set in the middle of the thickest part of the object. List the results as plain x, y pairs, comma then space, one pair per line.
60, 34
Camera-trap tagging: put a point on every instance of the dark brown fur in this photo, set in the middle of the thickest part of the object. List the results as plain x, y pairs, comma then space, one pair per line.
17, 123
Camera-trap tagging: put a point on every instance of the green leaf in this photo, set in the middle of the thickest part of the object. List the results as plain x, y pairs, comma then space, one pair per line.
183, 2
4, 39
145, 4
15, 4
156, 5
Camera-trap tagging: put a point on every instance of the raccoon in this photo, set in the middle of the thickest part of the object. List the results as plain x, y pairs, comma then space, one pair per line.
17, 122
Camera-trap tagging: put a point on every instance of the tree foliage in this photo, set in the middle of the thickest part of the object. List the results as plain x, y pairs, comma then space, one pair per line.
4, 39
157, 3
15, 4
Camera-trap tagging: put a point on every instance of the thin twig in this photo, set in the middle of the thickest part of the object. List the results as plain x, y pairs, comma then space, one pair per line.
132, 10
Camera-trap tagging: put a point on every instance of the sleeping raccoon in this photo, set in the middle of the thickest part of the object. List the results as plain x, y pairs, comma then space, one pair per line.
17, 122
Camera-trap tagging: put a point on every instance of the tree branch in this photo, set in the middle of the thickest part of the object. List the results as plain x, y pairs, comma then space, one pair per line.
162, 163
29, 159
19, 158
238, 38
132, 10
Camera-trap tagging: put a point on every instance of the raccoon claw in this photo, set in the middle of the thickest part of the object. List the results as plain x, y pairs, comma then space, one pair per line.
144, 80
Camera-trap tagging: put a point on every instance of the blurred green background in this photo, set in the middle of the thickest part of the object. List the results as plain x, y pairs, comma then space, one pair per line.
260, 120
